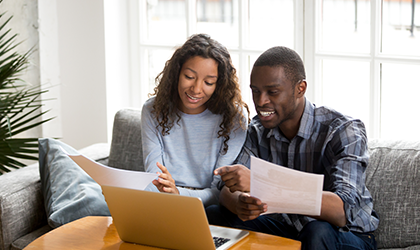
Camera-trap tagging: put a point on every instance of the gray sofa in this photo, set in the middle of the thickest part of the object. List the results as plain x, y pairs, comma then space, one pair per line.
393, 177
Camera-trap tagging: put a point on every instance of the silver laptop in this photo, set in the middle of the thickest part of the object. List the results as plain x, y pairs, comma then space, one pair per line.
165, 220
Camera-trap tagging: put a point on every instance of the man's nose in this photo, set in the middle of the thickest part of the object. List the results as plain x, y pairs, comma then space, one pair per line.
262, 99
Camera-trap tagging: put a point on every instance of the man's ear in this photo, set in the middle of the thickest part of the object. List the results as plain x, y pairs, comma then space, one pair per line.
301, 88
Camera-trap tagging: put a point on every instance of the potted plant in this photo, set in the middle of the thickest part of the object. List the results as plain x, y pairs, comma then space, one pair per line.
20, 104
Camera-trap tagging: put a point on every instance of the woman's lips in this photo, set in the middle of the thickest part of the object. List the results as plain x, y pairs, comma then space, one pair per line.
193, 99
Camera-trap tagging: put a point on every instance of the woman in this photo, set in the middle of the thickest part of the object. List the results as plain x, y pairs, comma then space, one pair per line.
196, 121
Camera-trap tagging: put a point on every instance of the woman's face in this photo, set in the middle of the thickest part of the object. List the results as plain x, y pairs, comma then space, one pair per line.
197, 83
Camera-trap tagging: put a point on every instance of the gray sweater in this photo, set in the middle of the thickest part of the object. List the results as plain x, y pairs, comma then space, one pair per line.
191, 151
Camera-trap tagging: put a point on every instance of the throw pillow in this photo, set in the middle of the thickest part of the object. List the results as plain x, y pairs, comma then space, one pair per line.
69, 193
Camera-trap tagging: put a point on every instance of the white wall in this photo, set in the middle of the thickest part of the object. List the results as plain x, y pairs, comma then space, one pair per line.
24, 23
72, 52
70, 62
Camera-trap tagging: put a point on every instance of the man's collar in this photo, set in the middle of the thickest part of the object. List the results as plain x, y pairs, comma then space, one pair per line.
305, 127
307, 120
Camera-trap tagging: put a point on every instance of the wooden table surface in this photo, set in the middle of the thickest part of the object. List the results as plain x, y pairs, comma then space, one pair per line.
98, 232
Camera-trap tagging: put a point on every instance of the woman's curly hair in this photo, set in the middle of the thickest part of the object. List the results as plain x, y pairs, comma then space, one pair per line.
226, 99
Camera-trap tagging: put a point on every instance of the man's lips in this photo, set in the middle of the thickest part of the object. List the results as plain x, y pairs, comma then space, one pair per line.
266, 113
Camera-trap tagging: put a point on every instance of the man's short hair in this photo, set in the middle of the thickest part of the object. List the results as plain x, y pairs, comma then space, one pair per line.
286, 58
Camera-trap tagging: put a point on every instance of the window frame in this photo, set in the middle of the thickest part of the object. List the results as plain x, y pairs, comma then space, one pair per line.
313, 57
305, 41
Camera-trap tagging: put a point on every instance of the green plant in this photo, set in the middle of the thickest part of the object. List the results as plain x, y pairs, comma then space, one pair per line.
20, 104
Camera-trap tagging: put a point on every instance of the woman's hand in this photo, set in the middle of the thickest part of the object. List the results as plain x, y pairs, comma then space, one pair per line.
165, 183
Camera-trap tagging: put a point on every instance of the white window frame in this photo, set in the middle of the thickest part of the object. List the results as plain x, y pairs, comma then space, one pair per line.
139, 45
305, 44
313, 56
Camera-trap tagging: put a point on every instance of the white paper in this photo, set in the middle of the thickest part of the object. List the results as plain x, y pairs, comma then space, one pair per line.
286, 190
109, 176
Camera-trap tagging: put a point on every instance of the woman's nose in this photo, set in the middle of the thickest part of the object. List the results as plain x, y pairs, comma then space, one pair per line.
197, 87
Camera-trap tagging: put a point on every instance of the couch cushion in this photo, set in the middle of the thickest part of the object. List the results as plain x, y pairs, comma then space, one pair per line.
126, 148
69, 193
22, 242
21, 204
393, 178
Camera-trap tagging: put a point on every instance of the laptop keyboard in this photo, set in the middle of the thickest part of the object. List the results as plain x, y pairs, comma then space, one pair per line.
218, 241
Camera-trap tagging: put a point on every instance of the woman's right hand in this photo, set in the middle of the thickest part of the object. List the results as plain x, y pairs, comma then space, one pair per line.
165, 183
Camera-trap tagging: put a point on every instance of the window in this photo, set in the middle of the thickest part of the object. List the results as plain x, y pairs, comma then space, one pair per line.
362, 57
246, 28
366, 62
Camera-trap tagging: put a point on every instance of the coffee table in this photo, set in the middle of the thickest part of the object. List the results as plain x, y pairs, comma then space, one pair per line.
98, 232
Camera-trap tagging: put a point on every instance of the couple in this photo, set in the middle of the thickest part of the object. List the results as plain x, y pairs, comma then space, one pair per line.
197, 114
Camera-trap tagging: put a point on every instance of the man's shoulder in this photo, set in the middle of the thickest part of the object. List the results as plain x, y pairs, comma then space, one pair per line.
329, 116
336, 122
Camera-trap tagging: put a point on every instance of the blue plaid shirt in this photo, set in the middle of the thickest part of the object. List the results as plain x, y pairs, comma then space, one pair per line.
327, 143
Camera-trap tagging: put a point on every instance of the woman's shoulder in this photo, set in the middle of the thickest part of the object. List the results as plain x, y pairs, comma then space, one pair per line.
147, 108
148, 105
149, 102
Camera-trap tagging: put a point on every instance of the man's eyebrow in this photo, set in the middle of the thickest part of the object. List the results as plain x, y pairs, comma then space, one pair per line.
274, 85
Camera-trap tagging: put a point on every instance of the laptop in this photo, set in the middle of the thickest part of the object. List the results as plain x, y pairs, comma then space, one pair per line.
165, 220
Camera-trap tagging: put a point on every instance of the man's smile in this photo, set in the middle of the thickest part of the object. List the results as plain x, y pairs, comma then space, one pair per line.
266, 113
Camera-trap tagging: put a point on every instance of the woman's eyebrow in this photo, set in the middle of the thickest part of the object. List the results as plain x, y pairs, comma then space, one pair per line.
212, 76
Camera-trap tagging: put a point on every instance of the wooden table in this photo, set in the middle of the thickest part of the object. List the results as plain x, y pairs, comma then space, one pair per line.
98, 232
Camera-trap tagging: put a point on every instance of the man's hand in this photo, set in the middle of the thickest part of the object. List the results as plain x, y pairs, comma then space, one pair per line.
236, 177
165, 183
249, 207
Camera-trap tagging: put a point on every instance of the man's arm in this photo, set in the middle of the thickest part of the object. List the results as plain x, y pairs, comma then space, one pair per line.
242, 204
237, 180
229, 199
236, 177
332, 209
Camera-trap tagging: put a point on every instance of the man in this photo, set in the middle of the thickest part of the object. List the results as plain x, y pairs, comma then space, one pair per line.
292, 132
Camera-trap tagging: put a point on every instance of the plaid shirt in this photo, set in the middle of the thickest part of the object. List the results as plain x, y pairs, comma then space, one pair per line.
327, 143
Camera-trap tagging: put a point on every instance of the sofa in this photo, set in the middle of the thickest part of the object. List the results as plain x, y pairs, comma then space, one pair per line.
393, 178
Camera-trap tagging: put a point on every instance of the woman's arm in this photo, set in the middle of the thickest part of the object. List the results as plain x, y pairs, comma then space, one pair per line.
151, 140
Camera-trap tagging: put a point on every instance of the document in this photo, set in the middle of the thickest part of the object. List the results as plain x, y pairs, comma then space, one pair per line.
109, 176
286, 190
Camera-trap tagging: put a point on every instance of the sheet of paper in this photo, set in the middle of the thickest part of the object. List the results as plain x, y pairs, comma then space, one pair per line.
109, 176
286, 190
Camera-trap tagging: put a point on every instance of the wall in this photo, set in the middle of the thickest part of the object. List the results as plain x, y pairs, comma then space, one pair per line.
69, 61
24, 23
81, 50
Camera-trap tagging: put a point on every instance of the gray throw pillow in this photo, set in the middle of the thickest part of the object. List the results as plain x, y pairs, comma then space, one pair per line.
69, 193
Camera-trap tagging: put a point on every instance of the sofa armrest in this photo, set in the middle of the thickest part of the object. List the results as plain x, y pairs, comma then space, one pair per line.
126, 147
98, 152
21, 201
21, 204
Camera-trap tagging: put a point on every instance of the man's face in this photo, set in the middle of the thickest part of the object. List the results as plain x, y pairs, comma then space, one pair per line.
274, 97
